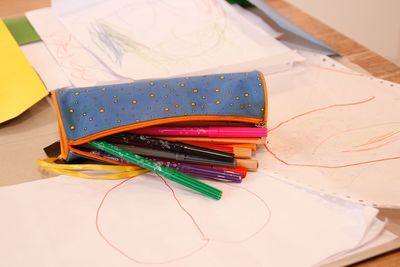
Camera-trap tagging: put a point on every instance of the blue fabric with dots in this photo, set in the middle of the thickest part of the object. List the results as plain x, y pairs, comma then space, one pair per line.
89, 110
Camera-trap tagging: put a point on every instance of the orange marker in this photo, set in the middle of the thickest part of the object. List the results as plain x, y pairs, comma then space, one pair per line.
239, 152
253, 147
249, 164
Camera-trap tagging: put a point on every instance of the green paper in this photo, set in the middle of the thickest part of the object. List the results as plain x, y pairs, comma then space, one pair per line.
22, 30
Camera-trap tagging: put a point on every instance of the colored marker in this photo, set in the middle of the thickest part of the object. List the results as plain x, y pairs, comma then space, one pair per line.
204, 131
249, 164
238, 152
144, 151
201, 171
170, 146
242, 171
253, 147
166, 172
244, 140
189, 169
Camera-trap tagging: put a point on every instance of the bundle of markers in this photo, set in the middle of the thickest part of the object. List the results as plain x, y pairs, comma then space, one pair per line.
219, 153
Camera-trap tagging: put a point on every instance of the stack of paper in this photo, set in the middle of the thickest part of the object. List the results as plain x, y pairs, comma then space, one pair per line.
65, 221
141, 39
335, 130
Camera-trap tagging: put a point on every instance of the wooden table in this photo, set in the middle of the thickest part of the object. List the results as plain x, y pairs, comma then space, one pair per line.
352, 51
356, 53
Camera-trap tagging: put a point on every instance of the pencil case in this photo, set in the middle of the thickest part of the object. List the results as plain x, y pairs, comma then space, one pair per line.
90, 113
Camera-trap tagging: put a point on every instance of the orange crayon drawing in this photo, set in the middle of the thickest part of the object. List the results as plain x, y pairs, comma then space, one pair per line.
371, 143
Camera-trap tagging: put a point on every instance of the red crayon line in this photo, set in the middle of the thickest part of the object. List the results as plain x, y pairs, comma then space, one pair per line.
184, 210
113, 246
319, 109
325, 166
329, 166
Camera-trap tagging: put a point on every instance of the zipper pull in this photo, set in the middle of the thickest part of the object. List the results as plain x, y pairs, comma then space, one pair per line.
261, 124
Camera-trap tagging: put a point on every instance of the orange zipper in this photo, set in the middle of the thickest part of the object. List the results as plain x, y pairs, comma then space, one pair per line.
63, 136
93, 156
158, 122
66, 145
264, 83
142, 125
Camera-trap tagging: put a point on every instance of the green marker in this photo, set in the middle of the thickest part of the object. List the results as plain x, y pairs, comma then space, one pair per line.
166, 172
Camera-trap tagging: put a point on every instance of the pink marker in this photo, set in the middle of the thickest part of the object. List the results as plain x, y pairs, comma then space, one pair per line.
204, 131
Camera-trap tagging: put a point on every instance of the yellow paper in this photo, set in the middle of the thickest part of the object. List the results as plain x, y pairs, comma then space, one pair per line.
20, 86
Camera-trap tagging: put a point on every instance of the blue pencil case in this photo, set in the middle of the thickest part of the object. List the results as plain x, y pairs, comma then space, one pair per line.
89, 113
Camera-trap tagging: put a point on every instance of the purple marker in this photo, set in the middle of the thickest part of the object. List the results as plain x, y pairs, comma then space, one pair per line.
202, 171
190, 169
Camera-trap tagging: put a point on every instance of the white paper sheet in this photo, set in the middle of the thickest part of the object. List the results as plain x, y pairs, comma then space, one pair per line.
45, 65
142, 39
65, 221
377, 236
79, 65
335, 130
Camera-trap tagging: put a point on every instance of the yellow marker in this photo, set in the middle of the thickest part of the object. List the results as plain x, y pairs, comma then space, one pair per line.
20, 86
